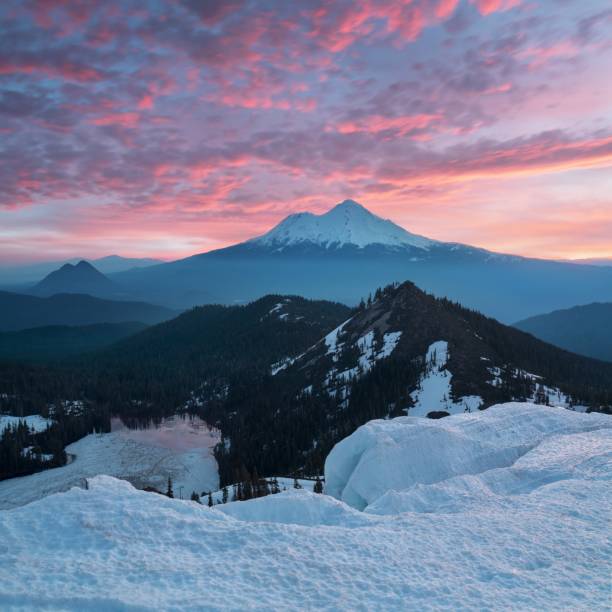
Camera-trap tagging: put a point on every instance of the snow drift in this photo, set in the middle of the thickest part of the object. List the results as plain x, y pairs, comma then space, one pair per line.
396, 454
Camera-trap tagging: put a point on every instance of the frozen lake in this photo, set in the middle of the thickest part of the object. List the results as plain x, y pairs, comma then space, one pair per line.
178, 433
178, 447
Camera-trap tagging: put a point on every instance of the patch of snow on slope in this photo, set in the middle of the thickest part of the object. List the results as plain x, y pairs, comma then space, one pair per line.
368, 357
433, 393
35, 422
533, 539
331, 340
496, 381
277, 310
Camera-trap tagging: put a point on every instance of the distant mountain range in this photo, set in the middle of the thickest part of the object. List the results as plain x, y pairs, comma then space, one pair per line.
586, 330
347, 252
20, 311
341, 255
33, 273
594, 261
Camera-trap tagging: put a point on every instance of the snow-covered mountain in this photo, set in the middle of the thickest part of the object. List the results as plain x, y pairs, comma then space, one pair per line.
347, 224
348, 252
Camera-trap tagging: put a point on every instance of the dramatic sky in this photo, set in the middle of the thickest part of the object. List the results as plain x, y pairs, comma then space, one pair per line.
168, 127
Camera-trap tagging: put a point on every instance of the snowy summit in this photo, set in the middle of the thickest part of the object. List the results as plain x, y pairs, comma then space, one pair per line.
347, 224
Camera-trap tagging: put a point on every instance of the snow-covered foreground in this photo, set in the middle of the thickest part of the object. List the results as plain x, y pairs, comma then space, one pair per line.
504, 509
407, 454
128, 454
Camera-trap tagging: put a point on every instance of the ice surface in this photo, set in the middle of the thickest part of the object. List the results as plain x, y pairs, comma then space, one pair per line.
120, 454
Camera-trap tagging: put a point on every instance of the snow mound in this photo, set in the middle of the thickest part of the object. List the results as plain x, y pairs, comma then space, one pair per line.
395, 455
296, 507
565, 459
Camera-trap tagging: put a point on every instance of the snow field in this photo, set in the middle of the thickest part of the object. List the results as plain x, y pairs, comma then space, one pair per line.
433, 392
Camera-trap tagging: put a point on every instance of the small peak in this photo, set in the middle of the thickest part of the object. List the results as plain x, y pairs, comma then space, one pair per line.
348, 204
83, 264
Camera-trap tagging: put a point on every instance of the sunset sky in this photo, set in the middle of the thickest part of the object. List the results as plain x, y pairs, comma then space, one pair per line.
165, 128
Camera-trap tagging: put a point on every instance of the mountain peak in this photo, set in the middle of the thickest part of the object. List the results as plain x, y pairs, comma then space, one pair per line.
350, 205
346, 224
85, 265
78, 278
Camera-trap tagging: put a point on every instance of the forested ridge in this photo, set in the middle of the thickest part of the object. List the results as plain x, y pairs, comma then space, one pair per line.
218, 362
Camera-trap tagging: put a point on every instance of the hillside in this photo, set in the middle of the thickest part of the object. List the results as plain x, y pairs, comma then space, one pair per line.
183, 364
57, 342
405, 353
586, 330
285, 378
19, 311
213, 346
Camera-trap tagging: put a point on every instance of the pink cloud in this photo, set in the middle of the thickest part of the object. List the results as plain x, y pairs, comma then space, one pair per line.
486, 7
378, 123
65, 70
123, 119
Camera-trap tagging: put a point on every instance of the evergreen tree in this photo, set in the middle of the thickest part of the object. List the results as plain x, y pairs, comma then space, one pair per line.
195, 497
318, 486
224, 496
169, 491
210, 499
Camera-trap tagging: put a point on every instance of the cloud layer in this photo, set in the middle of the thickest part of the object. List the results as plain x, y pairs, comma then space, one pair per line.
166, 128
